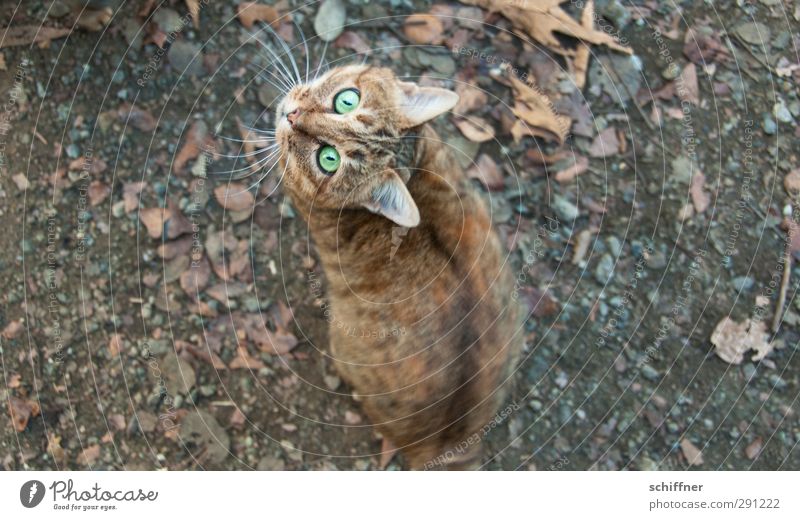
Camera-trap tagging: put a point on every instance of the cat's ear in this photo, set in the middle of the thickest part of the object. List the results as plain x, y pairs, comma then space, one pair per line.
391, 199
421, 104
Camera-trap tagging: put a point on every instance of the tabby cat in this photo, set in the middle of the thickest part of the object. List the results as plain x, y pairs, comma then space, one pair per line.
422, 324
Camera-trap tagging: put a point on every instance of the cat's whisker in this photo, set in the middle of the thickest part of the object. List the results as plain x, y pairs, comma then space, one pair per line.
305, 48
280, 180
321, 60
277, 162
259, 130
285, 85
283, 88
253, 167
237, 140
249, 154
287, 51
283, 69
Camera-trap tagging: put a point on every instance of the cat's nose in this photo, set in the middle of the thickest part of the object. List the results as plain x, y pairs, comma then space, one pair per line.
292, 116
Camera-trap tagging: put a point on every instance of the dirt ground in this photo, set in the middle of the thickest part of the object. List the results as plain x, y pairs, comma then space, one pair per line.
139, 306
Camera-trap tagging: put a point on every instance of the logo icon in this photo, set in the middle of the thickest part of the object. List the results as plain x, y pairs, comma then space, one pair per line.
31, 493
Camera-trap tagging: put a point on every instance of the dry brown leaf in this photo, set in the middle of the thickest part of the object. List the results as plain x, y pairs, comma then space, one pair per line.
98, 192
700, 199
197, 140
251, 12
153, 219
351, 40
423, 29
569, 173
605, 144
693, 455
733, 339
194, 10
470, 97
687, 86
94, 20
13, 329
792, 182
580, 63
486, 170
476, 129
29, 34
542, 19
89, 455
137, 117
115, 344
754, 448
21, 411
55, 449
536, 114
234, 197
243, 359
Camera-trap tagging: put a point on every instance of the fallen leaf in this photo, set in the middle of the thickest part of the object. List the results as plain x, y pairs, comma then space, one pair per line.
55, 449
580, 63
686, 85
13, 329
476, 129
94, 19
692, 454
470, 98
243, 359
203, 354
115, 344
21, 181
700, 199
423, 29
29, 34
569, 173
137, 117
197, 139
88, 456
130, 195
791, 182
543, 19
237, 419
605, 144
351, 40
98, 192
486, 171
21, 411
582, 242
194, 10
251, 12
234, 196
733, 339
153, 219
196, 278
536, 114
754, 448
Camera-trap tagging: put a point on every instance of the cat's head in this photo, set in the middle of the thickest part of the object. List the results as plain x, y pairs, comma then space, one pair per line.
339, 134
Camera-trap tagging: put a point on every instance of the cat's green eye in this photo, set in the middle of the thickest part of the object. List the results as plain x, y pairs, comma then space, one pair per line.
328, 159
346, 101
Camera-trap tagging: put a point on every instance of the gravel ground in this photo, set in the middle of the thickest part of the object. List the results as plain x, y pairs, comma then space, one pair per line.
139, 304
